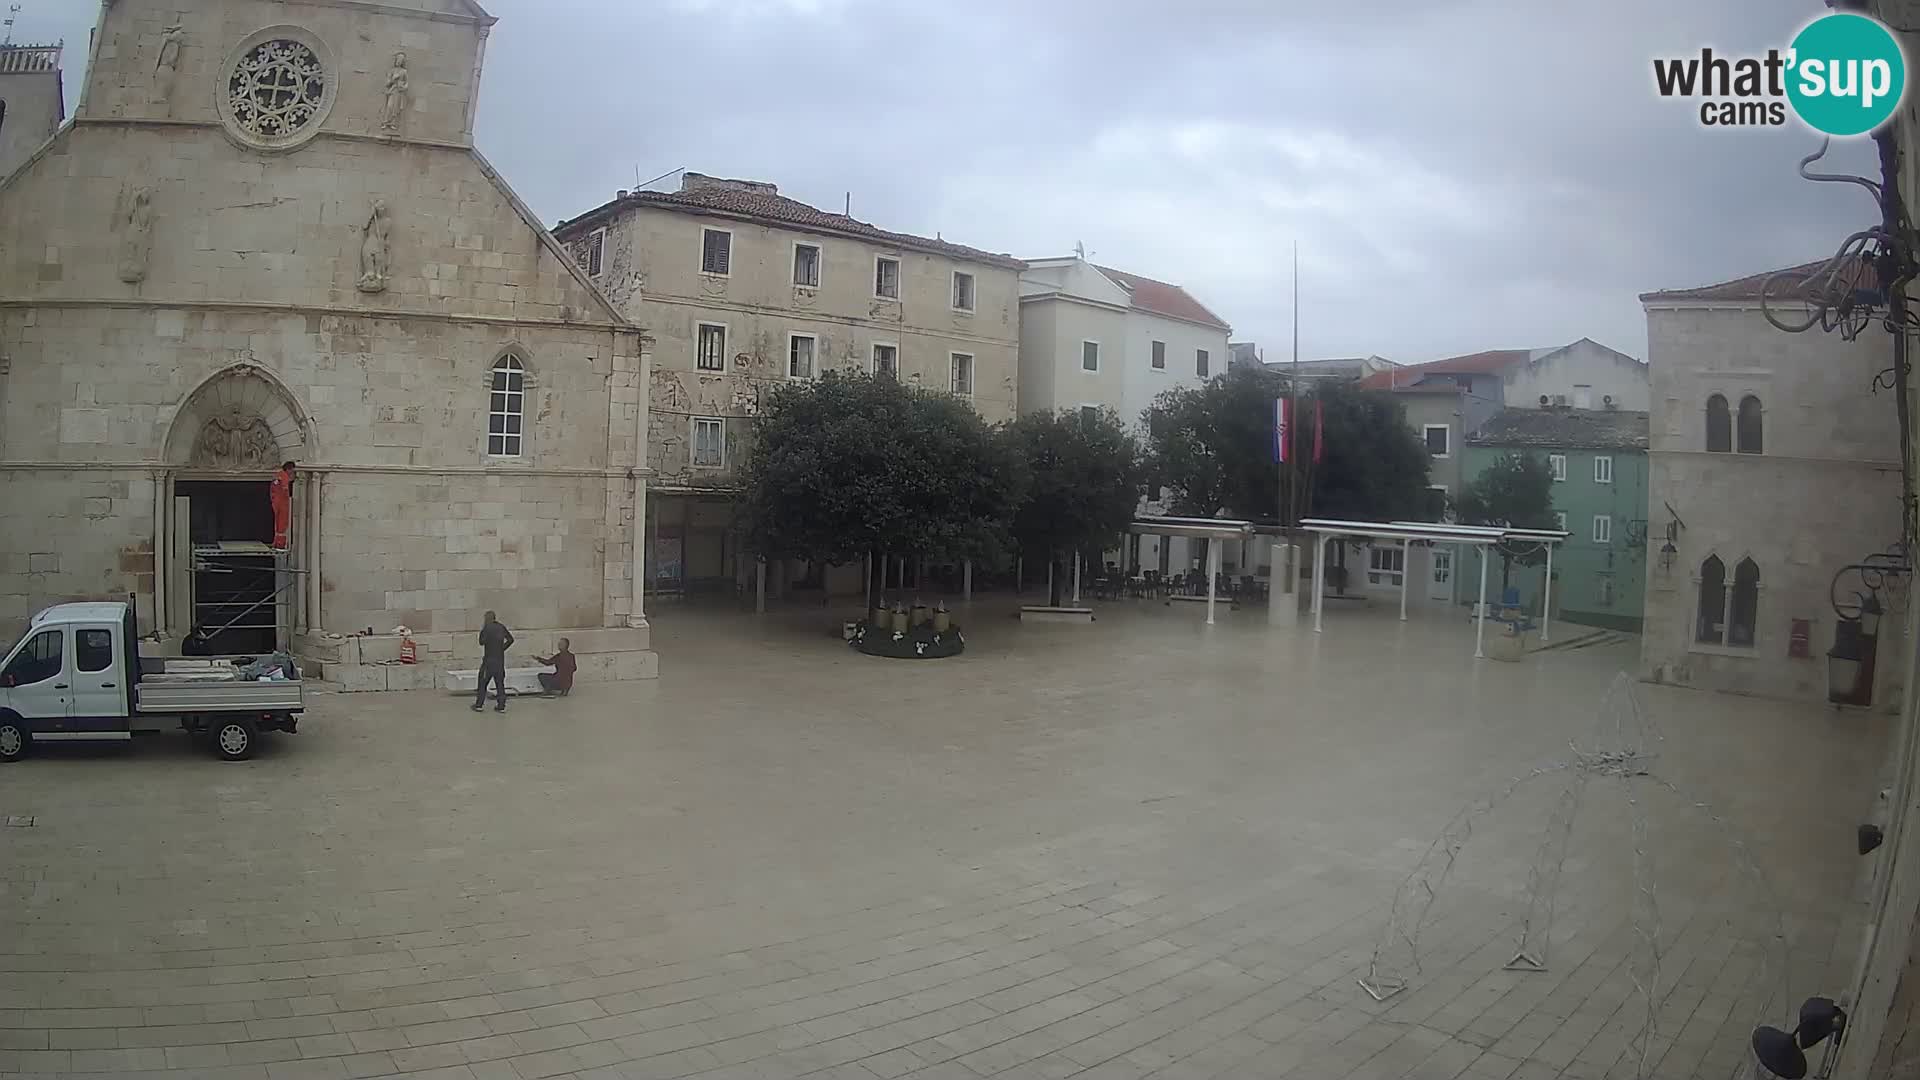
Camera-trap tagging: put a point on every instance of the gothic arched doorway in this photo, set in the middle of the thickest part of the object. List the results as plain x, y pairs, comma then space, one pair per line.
232, 591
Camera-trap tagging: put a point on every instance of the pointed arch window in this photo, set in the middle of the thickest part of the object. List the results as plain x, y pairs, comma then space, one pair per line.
1746, 428
1729, 612
1719, 426
506, 410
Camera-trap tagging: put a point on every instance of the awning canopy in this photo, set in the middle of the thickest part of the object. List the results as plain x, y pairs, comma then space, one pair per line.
1194, 528
1406, 530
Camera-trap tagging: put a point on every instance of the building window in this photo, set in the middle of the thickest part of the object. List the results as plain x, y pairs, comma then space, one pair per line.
506, 407
962, 373
1558, 463
1603, 528
1386, 565
886, 361
1089, 356
886, 278
1606, 591
1438, 436
716, 252
593, 252
711, 351
278, 91
1728, 616
709, 442
1200, 362
962, 291
800, 356
1560, 520
1089, 415
1719, 426
1748, 428
94, 651
1582, 396
1603, 470
1159, 356
806, 265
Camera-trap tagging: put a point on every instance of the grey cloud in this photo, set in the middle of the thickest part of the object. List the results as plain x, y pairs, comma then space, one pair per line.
1460, 174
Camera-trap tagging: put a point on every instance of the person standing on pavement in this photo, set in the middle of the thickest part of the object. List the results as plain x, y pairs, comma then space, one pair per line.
495, 640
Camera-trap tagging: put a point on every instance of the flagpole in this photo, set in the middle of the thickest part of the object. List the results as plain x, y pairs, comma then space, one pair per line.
1294, 460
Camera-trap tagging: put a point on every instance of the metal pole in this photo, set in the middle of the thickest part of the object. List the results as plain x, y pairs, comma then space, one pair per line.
1213, 576
760, 585
1076, 575
1480, 624
966, 581
1319, 578
1546, 600
1406, 568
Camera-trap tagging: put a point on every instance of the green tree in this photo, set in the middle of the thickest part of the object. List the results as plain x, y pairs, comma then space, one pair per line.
1084, 481
1211, 448
1516, 491
851, 465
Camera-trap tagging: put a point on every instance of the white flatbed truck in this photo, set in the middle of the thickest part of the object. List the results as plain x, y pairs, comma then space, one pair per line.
77, 675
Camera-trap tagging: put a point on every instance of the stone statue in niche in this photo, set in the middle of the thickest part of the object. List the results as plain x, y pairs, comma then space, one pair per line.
236, 440
395, 109
373, 249
135, 219
166, 66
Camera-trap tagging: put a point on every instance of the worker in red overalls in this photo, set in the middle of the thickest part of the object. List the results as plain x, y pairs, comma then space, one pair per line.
282, 495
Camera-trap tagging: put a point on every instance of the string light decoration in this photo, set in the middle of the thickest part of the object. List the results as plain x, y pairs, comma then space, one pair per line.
1621, 751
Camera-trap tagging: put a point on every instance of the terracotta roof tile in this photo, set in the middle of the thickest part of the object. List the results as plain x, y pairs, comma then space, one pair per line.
1748, 288
778, 209
1564, 429
1480, 363
1162, 298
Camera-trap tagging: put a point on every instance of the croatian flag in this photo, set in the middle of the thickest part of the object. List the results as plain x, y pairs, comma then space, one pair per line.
1280, 430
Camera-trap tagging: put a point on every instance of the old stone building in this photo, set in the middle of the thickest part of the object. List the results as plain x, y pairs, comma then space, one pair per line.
32, 100
1771, 467
743, 289
267, 236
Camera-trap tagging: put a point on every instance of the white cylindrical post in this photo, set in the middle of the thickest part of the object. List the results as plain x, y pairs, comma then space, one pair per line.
1076, 576
760, 586
866, 564
317, 593
1546, 601
1319, 578
966, 580
1283, 597
1480, 623
1406, 571
1213, 576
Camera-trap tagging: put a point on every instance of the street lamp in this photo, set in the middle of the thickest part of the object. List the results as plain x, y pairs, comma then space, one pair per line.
1846, 663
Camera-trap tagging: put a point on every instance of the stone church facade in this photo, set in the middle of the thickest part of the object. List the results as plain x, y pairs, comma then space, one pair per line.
267, 236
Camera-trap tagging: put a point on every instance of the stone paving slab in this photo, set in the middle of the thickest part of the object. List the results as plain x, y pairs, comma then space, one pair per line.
1145, 848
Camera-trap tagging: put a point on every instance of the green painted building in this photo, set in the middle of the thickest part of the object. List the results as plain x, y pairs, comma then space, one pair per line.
1599, 463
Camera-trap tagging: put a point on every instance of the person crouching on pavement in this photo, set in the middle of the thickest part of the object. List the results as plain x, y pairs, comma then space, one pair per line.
560, 679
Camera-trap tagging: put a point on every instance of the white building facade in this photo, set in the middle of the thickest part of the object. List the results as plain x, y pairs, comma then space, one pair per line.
1095, 337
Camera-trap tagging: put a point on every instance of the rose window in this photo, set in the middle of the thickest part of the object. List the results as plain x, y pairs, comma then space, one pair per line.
277, 88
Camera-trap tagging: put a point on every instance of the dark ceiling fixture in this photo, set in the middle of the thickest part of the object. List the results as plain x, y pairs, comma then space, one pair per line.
1785, 1055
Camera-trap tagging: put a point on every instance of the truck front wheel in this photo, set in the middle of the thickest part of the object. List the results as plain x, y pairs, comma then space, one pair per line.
234, 739
13, 738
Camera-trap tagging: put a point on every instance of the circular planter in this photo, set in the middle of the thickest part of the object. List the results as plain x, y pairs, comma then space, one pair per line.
921, 642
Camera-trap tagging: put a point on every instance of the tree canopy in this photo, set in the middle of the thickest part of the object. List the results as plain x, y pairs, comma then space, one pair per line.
1084, 480
1211, 448
1516, 490
847, 465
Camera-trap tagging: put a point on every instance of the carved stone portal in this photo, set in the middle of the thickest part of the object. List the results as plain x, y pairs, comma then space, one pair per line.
235, 440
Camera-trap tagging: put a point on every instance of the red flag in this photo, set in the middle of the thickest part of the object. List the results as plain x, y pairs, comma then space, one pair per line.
1319, 432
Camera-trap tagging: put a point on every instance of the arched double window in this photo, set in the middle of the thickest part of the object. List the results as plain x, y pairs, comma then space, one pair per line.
1746, 428
1728, 615
1719, 426
506, 407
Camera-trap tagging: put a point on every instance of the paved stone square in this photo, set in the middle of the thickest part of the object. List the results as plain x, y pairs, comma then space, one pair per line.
1145, 848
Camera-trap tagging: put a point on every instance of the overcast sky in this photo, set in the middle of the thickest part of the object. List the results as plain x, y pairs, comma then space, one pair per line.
1459, 175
